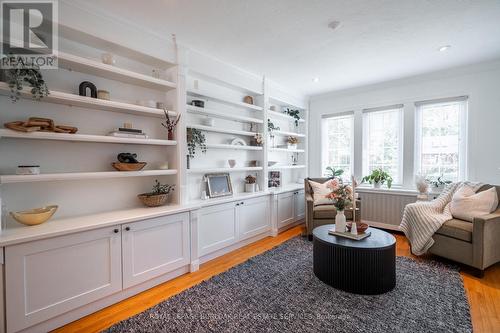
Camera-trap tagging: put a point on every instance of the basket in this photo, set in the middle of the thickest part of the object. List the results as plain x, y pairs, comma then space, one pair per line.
128, 166
153, 200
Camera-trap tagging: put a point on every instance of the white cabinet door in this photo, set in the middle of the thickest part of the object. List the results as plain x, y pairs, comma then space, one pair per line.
286, 211
154, 247
253, 217
49, 277
300, 206
217, 227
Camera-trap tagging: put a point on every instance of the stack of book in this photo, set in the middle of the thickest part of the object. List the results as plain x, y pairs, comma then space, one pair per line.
128, 133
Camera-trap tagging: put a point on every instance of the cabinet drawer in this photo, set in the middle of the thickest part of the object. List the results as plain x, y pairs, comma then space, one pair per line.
52, 276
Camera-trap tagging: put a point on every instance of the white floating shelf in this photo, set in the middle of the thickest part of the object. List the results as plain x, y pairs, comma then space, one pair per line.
7, 133
10, 179
227, 146
287, 150
222, 115
214, 170
220, 130
58, 97
83, 65
284, 133
224, 100
274, 114
278, 167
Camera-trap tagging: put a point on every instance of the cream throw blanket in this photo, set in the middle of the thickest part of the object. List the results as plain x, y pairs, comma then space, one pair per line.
422, 219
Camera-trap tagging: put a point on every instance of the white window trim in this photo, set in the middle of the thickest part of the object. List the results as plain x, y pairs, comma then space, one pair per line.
463, 135
400, 108
324, 138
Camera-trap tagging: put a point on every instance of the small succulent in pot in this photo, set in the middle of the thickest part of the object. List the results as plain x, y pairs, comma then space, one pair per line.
257, 140
158, 196
292, 142
250, 183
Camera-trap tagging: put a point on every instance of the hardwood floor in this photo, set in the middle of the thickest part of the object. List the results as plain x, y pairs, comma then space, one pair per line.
483, 294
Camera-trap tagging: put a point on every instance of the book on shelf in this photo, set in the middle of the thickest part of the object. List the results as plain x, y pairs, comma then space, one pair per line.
128, 135
128, 130
349, 235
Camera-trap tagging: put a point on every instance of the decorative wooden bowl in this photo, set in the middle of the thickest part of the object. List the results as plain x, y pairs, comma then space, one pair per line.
34, 216
360, 226
153, 200
128, 166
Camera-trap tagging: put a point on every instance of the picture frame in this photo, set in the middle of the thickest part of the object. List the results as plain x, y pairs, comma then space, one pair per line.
218, 185
274, 179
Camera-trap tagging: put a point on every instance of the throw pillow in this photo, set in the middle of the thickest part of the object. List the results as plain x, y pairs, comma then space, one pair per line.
466, 204
319, 193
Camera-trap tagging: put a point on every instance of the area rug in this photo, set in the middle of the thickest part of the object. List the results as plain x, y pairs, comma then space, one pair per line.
278, 292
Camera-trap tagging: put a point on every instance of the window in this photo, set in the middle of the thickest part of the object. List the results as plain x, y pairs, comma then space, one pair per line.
383, 141
441, 138
337, 132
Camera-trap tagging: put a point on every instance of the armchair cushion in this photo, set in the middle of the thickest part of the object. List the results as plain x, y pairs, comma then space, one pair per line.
319, 193
466, 204
458, 229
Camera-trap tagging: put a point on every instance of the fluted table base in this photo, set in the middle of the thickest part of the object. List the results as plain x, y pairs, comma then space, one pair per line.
367, 271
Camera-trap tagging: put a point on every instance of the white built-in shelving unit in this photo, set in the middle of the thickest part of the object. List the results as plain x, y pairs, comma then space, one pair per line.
68, 159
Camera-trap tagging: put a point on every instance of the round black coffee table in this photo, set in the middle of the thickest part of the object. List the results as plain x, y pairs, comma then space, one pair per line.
367, 266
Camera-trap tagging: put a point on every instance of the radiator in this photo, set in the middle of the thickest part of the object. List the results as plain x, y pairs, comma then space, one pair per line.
385, 210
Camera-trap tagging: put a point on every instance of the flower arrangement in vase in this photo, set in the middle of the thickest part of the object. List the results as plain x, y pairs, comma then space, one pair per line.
170, 124
250, 183
292, 142
341, 196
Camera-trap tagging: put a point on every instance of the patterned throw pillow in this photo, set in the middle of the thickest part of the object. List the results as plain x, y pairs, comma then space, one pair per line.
319, 193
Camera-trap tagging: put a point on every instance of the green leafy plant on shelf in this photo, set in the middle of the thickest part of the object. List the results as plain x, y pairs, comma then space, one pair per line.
21, 76
293, 113
195, 138
378, 177
331, 172
271, 127
159, 188
438, 182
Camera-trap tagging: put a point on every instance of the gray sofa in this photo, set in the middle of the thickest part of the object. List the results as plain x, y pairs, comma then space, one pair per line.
323, 214
476, 243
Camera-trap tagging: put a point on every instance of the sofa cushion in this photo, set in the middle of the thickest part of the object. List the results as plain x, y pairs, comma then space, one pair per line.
329, 212
467, 204
319, 193
457, 229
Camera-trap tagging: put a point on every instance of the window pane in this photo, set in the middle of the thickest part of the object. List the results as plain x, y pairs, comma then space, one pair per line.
439, 128
382, 142
338, 152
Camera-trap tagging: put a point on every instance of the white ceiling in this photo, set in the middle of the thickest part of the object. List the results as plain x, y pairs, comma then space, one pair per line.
289, 41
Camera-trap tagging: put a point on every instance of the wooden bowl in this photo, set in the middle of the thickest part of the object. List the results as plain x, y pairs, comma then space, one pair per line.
34, 216
128, 166
360, 226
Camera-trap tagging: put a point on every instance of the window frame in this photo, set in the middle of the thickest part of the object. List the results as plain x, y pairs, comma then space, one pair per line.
325, 141
462, 134
399, 108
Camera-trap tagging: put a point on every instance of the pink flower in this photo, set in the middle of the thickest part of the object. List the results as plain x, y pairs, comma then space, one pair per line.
332, 184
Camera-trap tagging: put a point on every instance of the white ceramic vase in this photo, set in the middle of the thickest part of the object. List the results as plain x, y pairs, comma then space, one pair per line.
250, 188
340, 221
292, 146
377, 184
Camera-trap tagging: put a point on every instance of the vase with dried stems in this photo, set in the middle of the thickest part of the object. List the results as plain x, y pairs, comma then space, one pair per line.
170, 124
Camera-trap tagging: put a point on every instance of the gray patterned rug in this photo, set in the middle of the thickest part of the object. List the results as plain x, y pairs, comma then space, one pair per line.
278, 292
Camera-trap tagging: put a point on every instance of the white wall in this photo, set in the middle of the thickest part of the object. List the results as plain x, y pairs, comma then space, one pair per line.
480, 82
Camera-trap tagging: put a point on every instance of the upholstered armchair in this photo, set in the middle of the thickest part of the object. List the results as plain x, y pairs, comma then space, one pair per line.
475, 243
322, 214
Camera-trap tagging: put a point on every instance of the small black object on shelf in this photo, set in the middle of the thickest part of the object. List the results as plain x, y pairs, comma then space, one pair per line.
82, 89
127, 158
198, 103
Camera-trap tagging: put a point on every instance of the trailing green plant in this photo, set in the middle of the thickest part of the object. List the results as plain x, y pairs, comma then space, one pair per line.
378, 176
439, 181
293, 113
159, 188
22, 75
195, 138
333, 173
271, 127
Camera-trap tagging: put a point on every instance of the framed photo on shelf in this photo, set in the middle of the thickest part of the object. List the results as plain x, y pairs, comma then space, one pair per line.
274, 179
218, 185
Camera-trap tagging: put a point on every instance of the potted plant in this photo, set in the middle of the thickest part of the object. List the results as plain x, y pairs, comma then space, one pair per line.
195, 138
158, 196
439, 183
292, 142
295, 114
378, 177
170, 124
20, 76
333, 173
250, 183
257, 140
271, 127
341, 196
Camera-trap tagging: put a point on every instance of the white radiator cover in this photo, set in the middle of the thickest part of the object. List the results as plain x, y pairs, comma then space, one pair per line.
384, 209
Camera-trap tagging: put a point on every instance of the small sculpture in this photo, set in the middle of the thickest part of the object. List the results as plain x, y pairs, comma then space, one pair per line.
82, 89
127, 158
